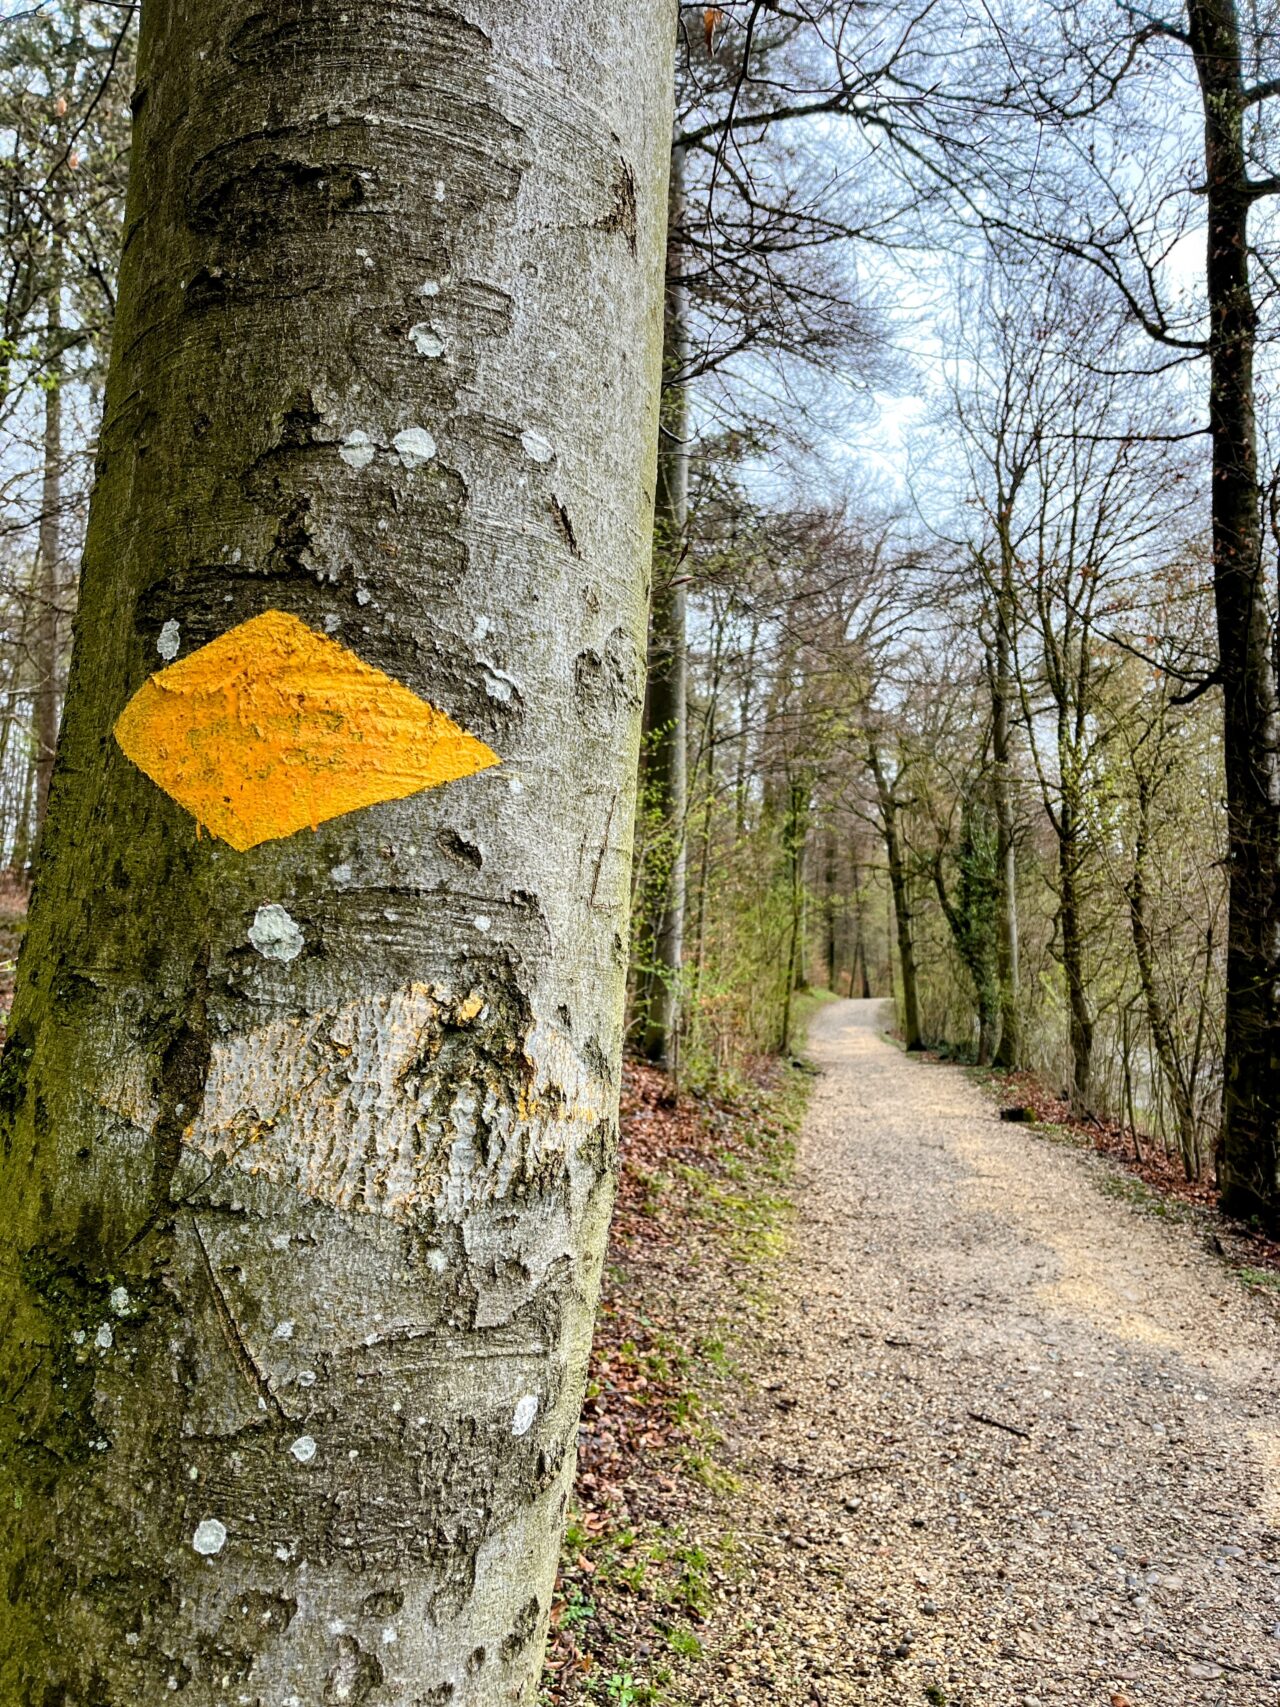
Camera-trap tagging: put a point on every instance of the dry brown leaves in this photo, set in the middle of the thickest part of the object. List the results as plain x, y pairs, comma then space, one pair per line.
640, 1422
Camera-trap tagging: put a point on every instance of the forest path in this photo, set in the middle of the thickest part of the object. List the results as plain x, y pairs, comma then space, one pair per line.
948, 1267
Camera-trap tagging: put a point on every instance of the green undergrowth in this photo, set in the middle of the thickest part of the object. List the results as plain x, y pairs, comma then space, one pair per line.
704, 1208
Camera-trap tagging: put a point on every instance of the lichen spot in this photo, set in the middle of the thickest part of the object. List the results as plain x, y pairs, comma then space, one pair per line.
535, 447
426, 340
283, 1331
357, 449
169, 641
120, 1301
428, 287
525, 1411
414, 446
275, 934
105, 1338
210, 1537
303, 1449
482, 922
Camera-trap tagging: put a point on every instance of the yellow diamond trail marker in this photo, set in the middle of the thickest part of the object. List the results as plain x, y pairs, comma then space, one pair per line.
273, 728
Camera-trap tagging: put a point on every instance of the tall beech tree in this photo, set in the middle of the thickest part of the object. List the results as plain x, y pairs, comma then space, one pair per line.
309, 1123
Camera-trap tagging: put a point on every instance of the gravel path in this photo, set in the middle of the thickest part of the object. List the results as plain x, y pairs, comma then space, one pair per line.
1019, 1441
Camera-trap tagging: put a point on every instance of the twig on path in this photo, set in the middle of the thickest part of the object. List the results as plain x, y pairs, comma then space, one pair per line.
995, 1422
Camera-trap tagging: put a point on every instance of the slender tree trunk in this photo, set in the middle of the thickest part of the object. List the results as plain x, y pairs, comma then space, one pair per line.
1008, 1050
742, 746
859, 981
1249, 1150
1080, 1018
832, 943
24, 835
666, 710
14, 726
308, 1147
46, 650
793, 840
1157, 1016
901, 902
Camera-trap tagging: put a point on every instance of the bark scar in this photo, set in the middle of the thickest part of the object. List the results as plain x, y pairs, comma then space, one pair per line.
236, 1343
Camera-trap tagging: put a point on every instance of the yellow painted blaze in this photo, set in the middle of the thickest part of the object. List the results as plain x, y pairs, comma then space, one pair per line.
273, 728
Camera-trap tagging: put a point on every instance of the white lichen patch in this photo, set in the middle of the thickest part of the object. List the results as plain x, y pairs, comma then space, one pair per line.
357, 449
105, 1337
536, 448
482, 922
526, 1410
170, 640
414, 446
341, 874
275, 934
497, 683
210, 1537
283, 1331
303, 1449
429, 287
119, 1301
426, 340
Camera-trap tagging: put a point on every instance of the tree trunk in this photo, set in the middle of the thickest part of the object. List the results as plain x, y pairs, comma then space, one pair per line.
25, 831
1249, 1151
859, 980
901, 903
47, 639
1008, 1050
793, 840
1157, 1016
666, 712
308, 1148
829, 912
1080, 1018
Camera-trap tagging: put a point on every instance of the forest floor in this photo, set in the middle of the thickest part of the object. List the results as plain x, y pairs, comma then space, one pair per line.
988, 1432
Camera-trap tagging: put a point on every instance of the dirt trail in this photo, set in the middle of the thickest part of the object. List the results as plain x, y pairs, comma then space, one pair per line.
947, 1267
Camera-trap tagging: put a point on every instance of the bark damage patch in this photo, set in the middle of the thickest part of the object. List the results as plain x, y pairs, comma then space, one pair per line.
394, 1103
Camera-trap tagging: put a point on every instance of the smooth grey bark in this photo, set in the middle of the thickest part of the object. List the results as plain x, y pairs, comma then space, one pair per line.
308, 1151
666, 717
